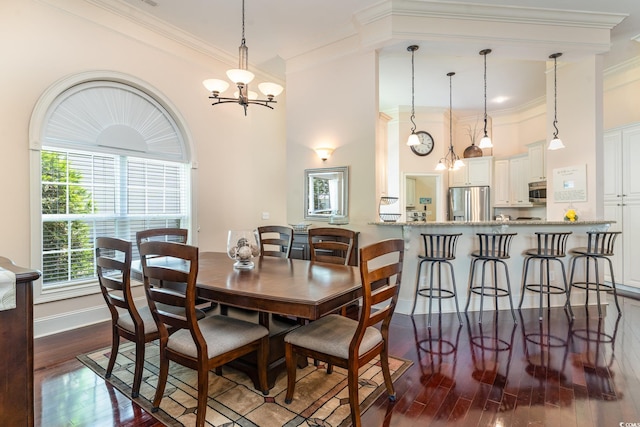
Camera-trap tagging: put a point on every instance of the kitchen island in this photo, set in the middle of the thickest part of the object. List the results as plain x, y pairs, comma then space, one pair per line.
525, 239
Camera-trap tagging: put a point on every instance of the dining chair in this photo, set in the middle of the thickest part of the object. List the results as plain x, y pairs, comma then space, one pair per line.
333, 245
201, 345
170, 234
113, 264
350, 343
275, 240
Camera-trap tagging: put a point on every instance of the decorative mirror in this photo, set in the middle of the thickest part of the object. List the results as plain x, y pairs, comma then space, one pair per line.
326, 193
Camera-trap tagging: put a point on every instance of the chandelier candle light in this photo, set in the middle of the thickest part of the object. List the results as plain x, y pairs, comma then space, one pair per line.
241, 77
413, 138
555, 143
485, 142
451, 160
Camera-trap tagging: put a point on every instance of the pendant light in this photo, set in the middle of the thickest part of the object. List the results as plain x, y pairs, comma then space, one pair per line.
485, 142
451, 160
413, 138
555, 143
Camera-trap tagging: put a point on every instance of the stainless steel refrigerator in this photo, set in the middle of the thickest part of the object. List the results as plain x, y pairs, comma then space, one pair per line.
469, 204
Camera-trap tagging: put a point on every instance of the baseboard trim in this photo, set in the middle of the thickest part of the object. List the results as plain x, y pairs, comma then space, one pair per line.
70, 320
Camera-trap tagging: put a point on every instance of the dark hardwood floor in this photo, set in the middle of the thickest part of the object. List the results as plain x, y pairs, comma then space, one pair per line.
580, 373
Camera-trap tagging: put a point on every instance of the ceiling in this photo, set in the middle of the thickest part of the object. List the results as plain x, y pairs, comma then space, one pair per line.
278, 30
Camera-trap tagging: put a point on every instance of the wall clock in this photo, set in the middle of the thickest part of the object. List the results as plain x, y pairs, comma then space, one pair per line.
426, 144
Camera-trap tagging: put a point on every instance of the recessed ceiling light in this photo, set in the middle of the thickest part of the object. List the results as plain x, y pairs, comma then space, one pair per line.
500, 99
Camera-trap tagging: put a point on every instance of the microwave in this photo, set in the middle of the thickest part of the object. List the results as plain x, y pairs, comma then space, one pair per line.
538, 192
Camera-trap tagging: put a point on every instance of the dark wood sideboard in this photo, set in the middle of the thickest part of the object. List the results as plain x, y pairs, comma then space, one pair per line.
16, 351
300, 247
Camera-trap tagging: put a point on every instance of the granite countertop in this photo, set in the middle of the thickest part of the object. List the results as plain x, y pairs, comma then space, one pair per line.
491, 223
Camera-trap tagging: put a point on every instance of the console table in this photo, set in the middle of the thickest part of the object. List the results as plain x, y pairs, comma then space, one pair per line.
16, 359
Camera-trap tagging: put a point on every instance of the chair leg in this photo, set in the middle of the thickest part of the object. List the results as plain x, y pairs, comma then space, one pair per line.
386, 373
139, 367
472, 271
597, 279
525, 271
115, 345
506, 273
541, 289
613, 285
162, 379
455, 292
415, 299
203, 395
290, 360
430, 293
354, 403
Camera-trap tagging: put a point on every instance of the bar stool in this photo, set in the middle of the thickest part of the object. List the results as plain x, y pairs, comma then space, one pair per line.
494, 249
551, 247
438, 249
599, 246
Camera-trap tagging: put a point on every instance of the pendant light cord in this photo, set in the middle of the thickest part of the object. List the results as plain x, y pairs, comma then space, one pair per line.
413, 108
485, 92
555, 96
450, 115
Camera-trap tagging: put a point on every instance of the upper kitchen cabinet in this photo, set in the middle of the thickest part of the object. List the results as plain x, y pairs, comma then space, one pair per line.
510, 187
537, 161
476, 171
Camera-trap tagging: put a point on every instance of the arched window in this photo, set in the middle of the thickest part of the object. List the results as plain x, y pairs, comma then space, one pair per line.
112, 161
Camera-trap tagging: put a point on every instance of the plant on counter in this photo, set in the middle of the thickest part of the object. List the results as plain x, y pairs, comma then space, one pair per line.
571, 215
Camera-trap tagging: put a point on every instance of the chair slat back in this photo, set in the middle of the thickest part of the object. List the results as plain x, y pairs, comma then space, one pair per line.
552, 244
176, 263
275, 240
602, 242
113, 265
495, 245
379, 263
331, 244
440, 246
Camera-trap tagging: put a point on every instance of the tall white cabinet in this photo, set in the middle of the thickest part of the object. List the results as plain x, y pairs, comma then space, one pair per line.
622, 199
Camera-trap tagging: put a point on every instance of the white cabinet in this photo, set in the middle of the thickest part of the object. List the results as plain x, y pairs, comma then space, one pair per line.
476, 171
410, 192
511, 186
501, 188
622, 199
537, 161
519, 173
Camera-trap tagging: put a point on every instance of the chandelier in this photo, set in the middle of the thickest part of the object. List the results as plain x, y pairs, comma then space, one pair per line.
241, 77
555, 143
485, 142
451, 160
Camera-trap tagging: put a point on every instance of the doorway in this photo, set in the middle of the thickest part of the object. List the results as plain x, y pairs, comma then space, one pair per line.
423, 197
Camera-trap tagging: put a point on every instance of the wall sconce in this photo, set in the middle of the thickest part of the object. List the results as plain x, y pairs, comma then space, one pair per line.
324, 153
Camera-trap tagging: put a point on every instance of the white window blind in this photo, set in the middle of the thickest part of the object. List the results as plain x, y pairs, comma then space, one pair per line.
87, 195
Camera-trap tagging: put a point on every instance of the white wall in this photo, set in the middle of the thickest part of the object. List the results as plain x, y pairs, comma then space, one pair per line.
334, 104
241, 160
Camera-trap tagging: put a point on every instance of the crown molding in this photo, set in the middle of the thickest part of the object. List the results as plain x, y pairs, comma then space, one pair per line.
494, 13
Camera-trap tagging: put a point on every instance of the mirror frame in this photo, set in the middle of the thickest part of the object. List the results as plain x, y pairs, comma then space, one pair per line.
342, 174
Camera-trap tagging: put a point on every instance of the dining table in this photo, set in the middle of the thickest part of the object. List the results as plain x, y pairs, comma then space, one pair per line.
279, 293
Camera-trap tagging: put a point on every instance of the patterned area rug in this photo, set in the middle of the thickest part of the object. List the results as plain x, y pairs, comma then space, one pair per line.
319, 399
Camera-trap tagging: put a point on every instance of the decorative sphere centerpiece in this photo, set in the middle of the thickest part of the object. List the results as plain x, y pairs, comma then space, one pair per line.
242, 246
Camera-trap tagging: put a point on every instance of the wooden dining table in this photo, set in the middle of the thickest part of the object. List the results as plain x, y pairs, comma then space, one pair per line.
277, 292
281, 291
